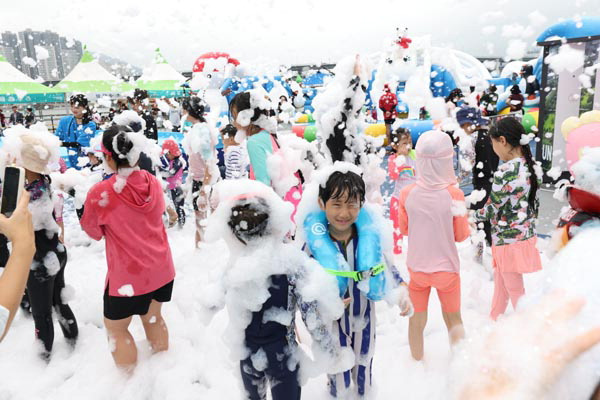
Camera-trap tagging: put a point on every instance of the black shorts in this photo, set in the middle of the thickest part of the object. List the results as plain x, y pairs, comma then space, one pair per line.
389, 121
196, 186
116, 307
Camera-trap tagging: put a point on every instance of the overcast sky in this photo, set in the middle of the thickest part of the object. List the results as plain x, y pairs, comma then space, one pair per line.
286, 32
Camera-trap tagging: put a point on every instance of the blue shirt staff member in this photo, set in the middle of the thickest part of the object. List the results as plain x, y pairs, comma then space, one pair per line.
75, 131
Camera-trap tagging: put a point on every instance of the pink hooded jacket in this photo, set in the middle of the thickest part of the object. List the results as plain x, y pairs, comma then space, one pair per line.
137, 248
432, 211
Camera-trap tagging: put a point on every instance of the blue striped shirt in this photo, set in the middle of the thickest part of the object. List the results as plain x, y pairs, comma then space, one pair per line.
235, 165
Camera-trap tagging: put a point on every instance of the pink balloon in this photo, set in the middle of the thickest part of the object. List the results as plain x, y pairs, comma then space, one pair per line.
299, 130
587, 135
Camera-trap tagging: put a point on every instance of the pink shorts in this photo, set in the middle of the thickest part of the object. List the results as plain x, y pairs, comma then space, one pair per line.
522, 257
446, 283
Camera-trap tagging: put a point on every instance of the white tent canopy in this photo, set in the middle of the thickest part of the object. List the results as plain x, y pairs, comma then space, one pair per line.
90, 77
160, 70
8, 73
88, 69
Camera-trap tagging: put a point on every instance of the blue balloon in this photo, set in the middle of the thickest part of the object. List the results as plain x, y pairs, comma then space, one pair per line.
417, 127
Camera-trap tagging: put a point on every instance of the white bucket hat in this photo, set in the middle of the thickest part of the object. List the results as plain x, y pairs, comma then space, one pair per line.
35, 156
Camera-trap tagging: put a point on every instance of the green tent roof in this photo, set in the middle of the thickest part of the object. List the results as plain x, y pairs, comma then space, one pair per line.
158, 58
29, 87
86, 56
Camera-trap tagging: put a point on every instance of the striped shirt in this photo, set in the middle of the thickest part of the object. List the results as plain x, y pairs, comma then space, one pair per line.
356, 328
235, 163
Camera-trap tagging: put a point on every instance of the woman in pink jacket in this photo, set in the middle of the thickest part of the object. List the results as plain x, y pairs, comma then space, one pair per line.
432, 213
126, 210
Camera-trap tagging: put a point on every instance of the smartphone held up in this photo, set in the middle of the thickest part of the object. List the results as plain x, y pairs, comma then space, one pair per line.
13, 181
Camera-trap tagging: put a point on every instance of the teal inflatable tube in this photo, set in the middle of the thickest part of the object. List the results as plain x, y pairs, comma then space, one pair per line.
369, 254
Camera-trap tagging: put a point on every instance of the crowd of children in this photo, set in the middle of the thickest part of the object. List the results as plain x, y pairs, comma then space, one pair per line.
337, 229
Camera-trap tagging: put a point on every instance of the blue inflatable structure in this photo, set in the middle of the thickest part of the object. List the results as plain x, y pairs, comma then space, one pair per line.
571, 29
442, 81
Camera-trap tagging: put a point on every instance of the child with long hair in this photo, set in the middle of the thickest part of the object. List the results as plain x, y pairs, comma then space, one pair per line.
512, 209
255, 116
478, 162
126, 210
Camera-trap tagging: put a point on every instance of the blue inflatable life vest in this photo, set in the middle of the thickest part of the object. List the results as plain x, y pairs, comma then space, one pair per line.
369, 255
323, 249
369, 263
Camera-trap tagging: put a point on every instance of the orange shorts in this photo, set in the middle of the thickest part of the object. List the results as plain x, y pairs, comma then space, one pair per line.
446, 283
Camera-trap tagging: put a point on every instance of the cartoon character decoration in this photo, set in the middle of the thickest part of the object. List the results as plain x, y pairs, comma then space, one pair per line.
583, 159
387, 103
399, 64
403, 42
211, 69
532, 86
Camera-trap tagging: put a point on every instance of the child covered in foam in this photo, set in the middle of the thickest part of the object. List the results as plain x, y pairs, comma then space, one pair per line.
265, 282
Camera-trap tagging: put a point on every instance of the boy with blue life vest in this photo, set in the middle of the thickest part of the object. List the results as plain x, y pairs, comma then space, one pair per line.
345, 239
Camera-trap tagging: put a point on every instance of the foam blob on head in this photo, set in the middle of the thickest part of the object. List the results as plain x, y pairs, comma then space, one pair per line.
131, 119
248, 211
249, 218
194, 107
253, 108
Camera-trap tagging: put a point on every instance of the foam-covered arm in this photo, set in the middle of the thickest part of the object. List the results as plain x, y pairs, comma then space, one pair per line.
349, 109
320, 306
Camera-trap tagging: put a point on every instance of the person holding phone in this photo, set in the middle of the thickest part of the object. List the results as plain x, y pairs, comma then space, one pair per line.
19, 230
47, 274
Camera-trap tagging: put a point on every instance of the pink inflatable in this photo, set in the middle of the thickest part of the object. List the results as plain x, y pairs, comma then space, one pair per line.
587, 135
